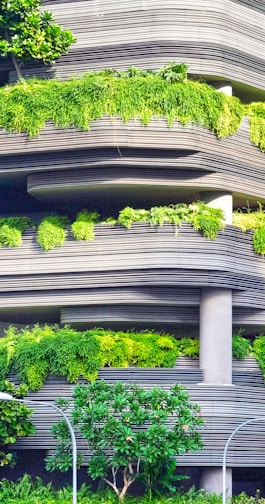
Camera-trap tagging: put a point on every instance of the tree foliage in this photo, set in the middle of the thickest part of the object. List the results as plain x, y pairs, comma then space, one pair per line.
28, 33
14, 420
129, 430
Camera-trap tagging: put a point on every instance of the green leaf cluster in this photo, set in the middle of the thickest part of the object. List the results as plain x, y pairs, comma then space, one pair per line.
28, 33
29, 105
127, 428
35, 353
241, 347
252, 221
51, 232
14, 420
83, 227
201, 216
11, 229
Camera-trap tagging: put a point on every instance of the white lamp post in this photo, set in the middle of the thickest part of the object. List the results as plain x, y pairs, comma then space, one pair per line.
7, 397
256, 419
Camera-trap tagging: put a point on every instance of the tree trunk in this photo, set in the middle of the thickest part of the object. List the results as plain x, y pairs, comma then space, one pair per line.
14, 59
17, 67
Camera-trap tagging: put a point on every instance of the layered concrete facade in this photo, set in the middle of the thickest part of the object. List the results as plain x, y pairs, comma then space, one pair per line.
145, 277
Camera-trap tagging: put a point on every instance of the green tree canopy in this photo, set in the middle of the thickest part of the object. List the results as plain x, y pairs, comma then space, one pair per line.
14, 420
28, 33
130, 430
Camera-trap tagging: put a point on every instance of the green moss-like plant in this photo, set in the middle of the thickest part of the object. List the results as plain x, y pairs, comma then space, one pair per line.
11, 229
51, 232
83, 227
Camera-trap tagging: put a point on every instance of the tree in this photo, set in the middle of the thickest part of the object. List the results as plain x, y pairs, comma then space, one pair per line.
129, 430
14, 420
27, 33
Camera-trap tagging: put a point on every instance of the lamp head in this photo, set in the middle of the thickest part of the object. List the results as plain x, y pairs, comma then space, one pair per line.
6, 397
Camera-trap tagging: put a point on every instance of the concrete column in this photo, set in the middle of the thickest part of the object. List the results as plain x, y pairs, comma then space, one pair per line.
216, 335
216, 360
212, 480
224, 87
219, 199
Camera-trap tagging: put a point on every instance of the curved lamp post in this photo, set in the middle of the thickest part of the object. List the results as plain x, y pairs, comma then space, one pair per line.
8, 397
257, 419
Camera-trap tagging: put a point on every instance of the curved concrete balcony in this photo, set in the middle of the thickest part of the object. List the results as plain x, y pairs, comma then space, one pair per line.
126, 162
218, 38
136, 276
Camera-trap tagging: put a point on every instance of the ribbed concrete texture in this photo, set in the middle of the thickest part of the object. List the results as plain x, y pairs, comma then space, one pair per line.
216, 335
211, 480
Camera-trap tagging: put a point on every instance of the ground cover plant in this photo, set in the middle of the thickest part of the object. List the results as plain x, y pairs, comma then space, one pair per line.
130, 432
27, 490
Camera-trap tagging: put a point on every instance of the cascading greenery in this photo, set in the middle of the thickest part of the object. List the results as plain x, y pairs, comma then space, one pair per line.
28, 105
63, 351
252, 221
35, 353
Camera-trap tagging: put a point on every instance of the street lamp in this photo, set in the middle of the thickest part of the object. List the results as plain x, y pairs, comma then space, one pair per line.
8, 397
251, 420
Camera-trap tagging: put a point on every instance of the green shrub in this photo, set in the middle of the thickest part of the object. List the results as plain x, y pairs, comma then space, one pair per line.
258, 350
35, 353
133, 94
83, 227
189, 347
201, 216
241, 347
51, 232
11, 229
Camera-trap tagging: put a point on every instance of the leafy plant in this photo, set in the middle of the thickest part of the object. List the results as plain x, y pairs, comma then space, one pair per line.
83, 227
11, 229
28, 105
254, 221
258, 349
241, 347
201, 216
126, 428
35, 353
189, 347
14, 420
27, 33
51, 232
173, 72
